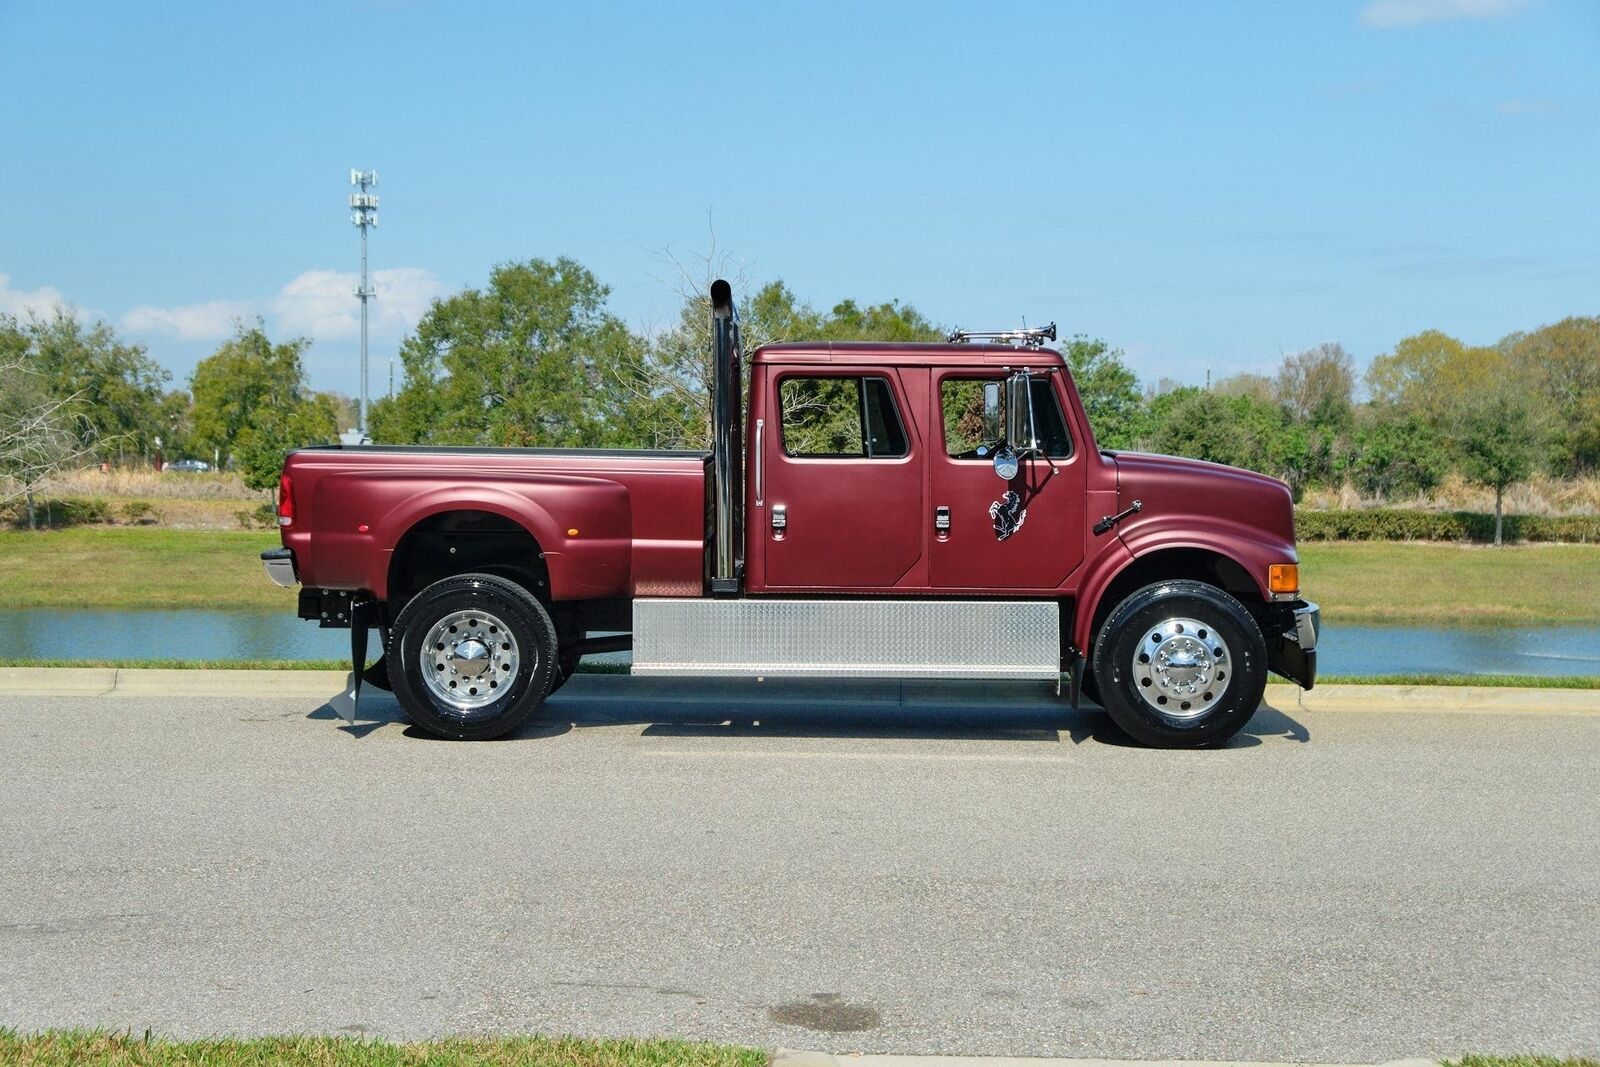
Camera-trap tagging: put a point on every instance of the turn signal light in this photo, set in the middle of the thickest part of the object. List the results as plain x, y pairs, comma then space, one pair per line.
1283, 578
285, 501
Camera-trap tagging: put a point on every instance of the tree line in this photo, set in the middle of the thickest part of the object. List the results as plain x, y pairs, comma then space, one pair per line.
536, 358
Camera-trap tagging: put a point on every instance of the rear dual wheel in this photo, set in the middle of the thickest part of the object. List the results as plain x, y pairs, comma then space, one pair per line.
472, 657
1180, 664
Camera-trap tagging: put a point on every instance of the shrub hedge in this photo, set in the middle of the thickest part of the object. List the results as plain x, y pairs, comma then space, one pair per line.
55, 512
1389, 524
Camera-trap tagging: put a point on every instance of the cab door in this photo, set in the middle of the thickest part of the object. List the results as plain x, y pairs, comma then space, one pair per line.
1024, 534
840, 502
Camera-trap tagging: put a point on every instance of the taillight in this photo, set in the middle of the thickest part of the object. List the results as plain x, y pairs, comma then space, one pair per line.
285, 500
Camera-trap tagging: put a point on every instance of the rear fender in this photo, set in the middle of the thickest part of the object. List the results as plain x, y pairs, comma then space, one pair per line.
583, 526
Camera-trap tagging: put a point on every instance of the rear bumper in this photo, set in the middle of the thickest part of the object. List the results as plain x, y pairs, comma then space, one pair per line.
1292, 642
279, 563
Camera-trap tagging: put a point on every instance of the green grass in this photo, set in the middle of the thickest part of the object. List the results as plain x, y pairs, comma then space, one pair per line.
1493, 681
139, 568
1389, 583
1356, 583
60, 1048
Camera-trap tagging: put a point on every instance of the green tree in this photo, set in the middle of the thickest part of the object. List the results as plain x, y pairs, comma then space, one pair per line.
534, 359
1109, 389
670, 385
1561, 363
251, 404
1240, 431
1393, 454
1432, 374
117, 387
1496, 437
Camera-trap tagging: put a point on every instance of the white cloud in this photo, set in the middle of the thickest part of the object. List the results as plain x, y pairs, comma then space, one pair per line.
1396, 14
321, 304
210, 321
24, 302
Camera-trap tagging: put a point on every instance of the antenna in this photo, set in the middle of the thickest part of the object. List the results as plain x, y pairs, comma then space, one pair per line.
1026, 338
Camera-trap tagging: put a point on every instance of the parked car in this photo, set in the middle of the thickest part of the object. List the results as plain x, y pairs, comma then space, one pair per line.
189, 466
886, 511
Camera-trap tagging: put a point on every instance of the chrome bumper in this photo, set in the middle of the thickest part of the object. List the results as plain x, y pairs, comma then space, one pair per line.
279, 563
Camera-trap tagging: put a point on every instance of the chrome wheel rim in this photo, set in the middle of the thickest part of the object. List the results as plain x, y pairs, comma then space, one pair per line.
1181, 668
469, 659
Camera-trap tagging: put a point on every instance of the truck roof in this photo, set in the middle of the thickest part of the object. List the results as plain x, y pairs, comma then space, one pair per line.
906, 353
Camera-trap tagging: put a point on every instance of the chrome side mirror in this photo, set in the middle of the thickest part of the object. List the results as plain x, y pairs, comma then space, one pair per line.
1020, 434
1006, 463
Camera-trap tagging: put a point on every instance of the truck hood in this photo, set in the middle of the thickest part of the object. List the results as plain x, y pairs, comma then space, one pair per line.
1169, 486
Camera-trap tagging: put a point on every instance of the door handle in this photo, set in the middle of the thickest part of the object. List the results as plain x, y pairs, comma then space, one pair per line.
941, 519
780, 517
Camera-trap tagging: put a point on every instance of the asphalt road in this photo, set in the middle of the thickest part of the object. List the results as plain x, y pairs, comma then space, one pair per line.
873, 871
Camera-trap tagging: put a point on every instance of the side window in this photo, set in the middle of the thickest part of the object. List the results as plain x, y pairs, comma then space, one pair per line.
966, 436
840, 418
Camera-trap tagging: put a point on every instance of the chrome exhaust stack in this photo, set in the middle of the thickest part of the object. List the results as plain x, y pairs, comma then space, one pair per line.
727, 445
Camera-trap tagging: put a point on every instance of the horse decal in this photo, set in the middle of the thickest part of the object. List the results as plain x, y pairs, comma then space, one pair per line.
1008, 514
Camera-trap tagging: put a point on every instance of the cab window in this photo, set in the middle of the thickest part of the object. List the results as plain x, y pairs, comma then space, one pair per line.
840, 418
967, 437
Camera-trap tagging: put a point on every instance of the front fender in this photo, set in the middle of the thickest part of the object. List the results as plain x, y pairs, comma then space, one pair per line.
1248, 546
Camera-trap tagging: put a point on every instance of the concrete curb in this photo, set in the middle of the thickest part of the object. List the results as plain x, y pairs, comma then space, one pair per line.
794, 1058
148, 681
1403, 699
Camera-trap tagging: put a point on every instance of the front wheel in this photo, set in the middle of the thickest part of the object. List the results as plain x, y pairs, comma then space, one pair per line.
1180, 664
472, 657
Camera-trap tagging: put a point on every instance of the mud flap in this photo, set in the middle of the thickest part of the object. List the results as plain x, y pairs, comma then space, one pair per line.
362, 615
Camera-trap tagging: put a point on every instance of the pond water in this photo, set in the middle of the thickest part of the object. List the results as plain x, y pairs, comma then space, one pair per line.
218, 635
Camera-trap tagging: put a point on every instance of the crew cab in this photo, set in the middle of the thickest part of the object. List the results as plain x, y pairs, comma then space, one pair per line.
880, 510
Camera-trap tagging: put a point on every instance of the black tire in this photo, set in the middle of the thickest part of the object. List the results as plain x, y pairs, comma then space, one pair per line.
566, 667
527, 630
1208, 674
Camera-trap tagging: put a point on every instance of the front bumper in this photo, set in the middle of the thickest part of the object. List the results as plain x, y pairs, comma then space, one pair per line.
279, 563
1292, 642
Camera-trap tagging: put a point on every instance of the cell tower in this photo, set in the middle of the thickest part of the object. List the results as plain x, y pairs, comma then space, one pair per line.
363, 214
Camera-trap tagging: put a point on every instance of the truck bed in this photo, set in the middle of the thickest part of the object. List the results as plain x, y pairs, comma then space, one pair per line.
610, 522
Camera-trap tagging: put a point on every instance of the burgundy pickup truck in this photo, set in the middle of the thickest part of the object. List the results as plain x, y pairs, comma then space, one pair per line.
881, 510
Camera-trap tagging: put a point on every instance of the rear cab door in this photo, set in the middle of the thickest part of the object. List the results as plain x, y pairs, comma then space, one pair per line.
837, 493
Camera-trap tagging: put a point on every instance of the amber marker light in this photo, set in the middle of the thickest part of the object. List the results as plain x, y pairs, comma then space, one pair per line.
573, 532
1283, 579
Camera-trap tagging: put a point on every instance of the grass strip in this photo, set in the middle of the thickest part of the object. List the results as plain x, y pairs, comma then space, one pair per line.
59, 1048
1521, 1061
1485, 681
1368, 583
1490, 681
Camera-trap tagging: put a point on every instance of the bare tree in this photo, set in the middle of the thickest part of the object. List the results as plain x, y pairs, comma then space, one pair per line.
39, 436
669, 382
1315, 384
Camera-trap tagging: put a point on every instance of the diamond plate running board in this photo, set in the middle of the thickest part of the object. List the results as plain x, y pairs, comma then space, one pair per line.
1015, 639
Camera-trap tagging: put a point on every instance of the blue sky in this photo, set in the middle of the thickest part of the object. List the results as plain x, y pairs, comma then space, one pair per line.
1206, 186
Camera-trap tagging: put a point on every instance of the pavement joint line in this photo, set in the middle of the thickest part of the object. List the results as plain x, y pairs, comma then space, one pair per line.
320, 684
797, 1058
952, 757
